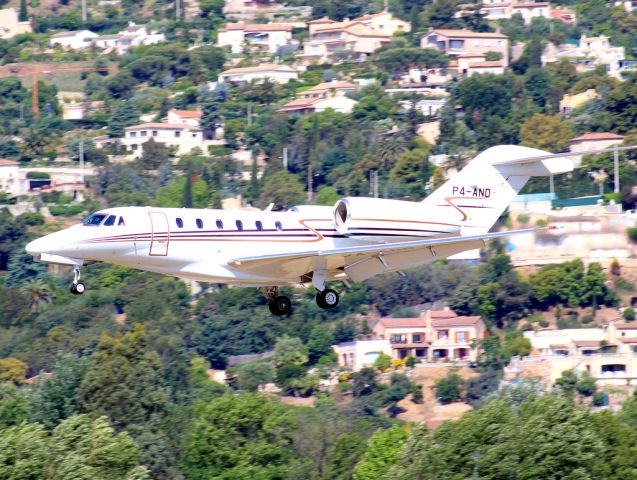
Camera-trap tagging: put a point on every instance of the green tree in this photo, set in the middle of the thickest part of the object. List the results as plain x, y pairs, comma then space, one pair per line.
12, 370
283, 189
520, 346
449, 388
124, 115
23, 14
319, 343
238, 437
252, 375
124, 380
383, 362
399, 60
172, 194
79, 448
567, 382
290, 351
200, 386
14, 405
382, 452
54, 399
154, 155
546, 132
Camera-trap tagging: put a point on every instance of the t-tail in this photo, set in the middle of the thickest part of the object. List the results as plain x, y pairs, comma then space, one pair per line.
478, 194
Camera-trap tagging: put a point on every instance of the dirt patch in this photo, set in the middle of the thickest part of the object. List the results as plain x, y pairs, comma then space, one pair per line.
299, 401
430, 411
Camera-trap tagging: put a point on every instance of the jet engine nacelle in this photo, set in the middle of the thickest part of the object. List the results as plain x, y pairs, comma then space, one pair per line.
361, 217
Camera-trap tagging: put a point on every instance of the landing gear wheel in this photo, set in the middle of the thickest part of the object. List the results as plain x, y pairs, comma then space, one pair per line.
78, 288
326, 299
280, 305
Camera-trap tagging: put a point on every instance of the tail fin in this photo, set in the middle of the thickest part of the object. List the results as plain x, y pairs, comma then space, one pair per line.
478, 194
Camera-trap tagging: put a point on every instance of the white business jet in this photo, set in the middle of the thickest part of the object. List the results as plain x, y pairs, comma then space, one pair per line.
352, 241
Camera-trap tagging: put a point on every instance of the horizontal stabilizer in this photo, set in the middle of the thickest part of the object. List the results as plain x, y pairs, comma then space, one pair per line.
529, 162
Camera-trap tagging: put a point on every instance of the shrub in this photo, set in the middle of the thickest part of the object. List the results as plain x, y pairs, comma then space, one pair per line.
411, 361
544, 323
629, 314
32, 218
65, 210
586, 386
542, 222
38, 176
587, 319
383, 362
615, 268
523, 219
416, 394
632, 233
624, 284
598, 399
449, 388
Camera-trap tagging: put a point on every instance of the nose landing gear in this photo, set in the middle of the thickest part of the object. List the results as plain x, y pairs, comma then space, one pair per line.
77, 287
279, 305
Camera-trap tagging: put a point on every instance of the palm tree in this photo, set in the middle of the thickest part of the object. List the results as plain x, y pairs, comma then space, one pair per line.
38, 294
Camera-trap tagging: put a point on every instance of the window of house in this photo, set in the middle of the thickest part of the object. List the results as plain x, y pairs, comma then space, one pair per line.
499, 42
421, 352
194, 135
121, 222
398, 338
110, 221
143, 133
443, 334
219, 224
177, 134
259, 225
417, 338
154, 133
278, 226
456, 44
133, 147
199, 223
239, 225
133, 134
461, 337
179, 222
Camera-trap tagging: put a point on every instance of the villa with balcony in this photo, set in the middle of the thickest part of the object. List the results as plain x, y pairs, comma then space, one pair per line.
607, 353
434, 335
456, 43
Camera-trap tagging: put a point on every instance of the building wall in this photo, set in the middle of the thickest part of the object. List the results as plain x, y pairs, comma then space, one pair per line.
9, 24
185, 142
581, 146
276, 77
461, 45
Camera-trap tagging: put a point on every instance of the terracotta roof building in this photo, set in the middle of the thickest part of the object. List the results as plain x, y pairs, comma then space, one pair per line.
434, 335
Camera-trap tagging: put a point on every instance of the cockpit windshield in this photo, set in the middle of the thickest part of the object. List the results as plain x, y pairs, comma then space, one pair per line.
94, 220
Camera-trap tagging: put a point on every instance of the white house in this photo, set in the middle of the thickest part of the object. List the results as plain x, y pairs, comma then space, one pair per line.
269, 36
76, 40
595, 141
79, 110
184, 117
305, 106
427, 106
360, 353
10, 26
10, 177
274, 73
184, 137
132, 36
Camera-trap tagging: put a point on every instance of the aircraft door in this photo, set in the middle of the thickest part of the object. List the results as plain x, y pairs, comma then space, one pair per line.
160, 234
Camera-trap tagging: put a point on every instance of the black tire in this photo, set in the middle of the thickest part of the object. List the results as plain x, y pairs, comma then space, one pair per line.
327, 299
280, 306
80, 288
72, 289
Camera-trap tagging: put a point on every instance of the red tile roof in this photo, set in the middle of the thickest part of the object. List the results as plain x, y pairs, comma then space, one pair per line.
7, 163
455, 322
327, 86
466, 33
402, 322
186, 113
486, 64
258, 68
258, 27
587, 343
321, 21
299, 104
442, 314
626, 326
165, 126
597, 136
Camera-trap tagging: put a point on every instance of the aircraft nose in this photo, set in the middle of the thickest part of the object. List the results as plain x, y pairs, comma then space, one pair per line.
37, 247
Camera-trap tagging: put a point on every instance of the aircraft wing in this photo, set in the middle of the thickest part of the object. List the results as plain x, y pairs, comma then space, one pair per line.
365, 261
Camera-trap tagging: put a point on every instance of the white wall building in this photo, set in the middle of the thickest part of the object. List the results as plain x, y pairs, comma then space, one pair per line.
76, 40
269, 36
10, 26
361, 353
183, 137
184, 117
274, 73
10, 178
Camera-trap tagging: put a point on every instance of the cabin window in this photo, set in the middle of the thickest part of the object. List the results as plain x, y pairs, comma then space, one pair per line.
121, 222
94, 220
259, 225
239, 225
278, 226
219, 224
199, 223
110, 221
180, 223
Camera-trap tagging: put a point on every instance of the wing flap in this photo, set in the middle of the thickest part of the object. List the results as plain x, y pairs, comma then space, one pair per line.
361, 262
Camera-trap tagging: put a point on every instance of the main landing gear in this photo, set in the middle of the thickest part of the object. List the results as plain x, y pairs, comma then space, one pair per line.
278, 304
77, 287
327, 299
